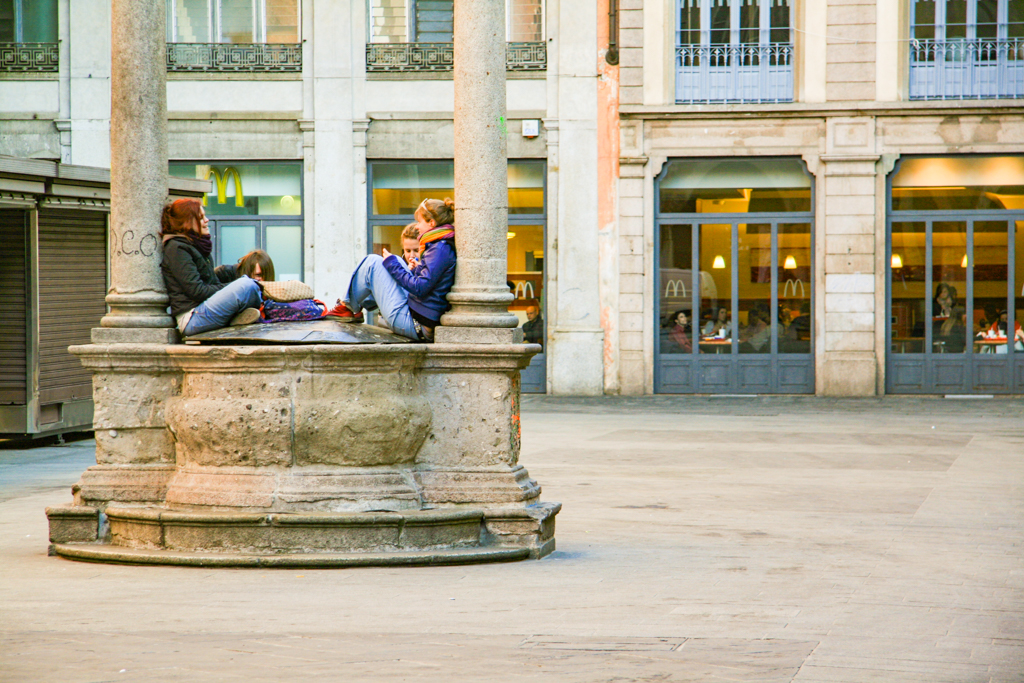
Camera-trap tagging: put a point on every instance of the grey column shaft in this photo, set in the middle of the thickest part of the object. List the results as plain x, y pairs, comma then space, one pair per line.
138, 167
480, 296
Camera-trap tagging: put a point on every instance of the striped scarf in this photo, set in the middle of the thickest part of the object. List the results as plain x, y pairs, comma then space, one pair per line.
438, 233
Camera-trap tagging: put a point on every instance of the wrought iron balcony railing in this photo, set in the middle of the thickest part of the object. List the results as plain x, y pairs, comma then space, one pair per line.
29, 57
707, 74
439, 57
966, 69
229, 57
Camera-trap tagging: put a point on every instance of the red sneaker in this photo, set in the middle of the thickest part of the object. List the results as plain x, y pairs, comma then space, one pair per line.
344, 313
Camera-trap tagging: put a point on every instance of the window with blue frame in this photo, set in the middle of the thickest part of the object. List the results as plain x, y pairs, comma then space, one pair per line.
966, 49
734, 51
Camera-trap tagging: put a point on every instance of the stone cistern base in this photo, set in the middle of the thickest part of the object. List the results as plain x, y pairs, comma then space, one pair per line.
315, 455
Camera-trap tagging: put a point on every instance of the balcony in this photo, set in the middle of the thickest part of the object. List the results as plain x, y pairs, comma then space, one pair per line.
439, 57
961, 69
708, 74
29, 57
234, 58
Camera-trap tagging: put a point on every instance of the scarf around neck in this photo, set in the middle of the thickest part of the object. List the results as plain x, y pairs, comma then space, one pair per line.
438, 233
204, 243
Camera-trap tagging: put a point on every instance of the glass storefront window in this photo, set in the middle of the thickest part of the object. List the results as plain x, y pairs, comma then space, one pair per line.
959, 184
399, 188
677, 325
794, 287
284, 244
28, 21
253, 206
735, 186
526, 276
717, 323
950, 259
232, 21
755, 288
235, 241
908, 287
273, 189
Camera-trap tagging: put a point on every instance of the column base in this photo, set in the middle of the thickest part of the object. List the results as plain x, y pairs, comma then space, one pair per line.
135, 335
478, 335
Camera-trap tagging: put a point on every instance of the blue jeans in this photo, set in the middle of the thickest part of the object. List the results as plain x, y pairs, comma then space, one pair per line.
219, 309
372, 287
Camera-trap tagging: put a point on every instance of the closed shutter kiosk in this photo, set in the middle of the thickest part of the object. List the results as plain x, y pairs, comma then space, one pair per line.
53, 284
13, 306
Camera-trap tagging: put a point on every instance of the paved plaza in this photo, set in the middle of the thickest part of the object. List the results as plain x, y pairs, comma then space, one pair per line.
701, 539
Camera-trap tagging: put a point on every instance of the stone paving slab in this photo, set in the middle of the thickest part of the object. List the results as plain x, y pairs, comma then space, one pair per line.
805, 540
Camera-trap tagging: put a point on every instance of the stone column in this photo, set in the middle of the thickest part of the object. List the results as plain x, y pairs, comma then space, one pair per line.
480, 297
138, 175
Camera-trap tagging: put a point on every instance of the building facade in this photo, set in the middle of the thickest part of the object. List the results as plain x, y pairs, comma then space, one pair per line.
781, 159
705, 196
323, 123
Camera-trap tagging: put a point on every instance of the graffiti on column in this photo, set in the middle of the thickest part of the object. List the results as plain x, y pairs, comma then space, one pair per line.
128, 244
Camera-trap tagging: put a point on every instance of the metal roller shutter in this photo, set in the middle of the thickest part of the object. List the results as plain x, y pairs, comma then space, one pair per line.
13, 305
72, 287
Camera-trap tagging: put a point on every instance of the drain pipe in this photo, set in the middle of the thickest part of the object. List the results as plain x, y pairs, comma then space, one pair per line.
612, 55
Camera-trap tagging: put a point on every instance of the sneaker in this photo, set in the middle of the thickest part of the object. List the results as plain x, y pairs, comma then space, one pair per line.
344, 314
246, 317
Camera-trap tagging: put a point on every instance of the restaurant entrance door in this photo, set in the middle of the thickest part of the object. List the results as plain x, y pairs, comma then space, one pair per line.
956, 275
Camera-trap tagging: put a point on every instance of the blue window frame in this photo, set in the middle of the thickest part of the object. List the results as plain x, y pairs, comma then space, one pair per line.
734, 51
966, 49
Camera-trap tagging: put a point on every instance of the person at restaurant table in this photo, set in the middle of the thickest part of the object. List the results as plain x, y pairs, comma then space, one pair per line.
999, 331
944, 300
951, 332
533, 328
756, 335
720, 326
678, 338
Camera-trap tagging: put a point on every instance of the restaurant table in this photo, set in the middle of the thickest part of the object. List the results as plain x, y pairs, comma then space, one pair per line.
899, 344
988, 344
715, 345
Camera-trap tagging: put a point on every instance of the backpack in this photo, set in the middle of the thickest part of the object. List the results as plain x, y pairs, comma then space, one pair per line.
305, 309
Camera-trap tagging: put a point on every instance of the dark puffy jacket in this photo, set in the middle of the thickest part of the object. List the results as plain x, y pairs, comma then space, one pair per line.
429, 281
189, 276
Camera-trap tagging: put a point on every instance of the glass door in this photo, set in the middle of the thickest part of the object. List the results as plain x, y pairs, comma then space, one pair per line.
734, 303
952, 305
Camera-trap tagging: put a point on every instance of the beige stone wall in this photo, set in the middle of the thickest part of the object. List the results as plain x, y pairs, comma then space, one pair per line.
850, 53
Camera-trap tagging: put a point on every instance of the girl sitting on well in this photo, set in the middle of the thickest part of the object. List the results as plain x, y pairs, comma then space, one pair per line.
201, 297
412, 301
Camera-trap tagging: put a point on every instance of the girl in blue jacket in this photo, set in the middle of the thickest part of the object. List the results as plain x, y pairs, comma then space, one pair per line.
413, 300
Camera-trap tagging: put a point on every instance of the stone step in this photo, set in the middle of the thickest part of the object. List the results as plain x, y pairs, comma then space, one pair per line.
120, 555
273, 533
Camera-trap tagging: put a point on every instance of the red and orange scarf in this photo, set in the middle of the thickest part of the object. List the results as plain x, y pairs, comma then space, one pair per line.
438, 233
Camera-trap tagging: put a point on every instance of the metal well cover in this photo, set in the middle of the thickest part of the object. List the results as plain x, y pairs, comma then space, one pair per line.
325, 331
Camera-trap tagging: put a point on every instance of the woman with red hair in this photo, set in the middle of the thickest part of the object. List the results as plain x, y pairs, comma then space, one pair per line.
202, 297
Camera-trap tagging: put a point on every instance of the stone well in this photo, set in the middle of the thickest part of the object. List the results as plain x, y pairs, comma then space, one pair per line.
305, 455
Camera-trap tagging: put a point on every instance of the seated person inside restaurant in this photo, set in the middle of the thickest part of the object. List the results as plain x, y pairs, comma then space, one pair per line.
720, 325
202, 298
533, 328
998, 330
944, 300
950, 334
755, 337
676, 339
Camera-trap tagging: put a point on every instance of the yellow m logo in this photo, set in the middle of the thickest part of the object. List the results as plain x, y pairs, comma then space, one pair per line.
222, 185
